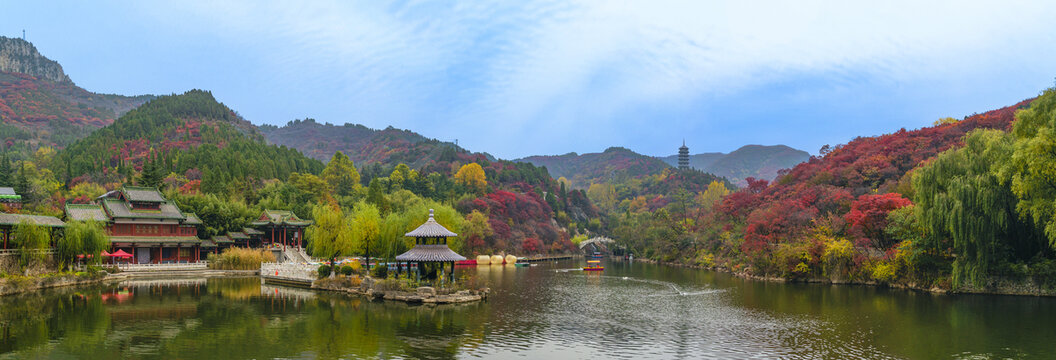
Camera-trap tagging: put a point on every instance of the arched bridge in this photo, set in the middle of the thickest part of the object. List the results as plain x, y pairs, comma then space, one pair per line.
602, 244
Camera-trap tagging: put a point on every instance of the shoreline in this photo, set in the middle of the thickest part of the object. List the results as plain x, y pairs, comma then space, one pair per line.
24, 284
1005, 287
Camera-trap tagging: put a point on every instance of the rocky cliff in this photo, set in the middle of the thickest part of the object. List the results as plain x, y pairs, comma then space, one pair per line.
20, 56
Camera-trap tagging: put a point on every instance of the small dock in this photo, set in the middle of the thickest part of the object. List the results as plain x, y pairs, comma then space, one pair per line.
288, 274
545, 258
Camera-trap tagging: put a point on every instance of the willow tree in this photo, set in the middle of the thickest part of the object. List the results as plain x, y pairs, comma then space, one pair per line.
329, 236
32, 240
1031, 169
81, 238
966, 206
366, 227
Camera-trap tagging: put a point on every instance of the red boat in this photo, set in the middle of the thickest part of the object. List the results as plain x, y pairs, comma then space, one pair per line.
467, 262
593, 265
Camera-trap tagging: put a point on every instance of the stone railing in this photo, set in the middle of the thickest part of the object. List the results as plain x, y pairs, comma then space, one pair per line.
202, 265
289, 271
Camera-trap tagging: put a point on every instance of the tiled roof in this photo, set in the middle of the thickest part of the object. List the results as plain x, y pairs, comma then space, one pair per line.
237, 236
142, 194
119, 209
279, 217
208, 244
7, 191
220, 239
192, 219
42, 220
252, 231
430, 253
84, 212
431, 228
154, 239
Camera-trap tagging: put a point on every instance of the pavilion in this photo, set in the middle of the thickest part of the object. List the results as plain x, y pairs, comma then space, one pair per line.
281, 227
430, 246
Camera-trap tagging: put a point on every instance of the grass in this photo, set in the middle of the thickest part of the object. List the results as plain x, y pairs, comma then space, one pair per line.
240, 259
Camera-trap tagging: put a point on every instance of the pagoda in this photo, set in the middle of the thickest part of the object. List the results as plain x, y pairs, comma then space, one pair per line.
683, 156
430, 246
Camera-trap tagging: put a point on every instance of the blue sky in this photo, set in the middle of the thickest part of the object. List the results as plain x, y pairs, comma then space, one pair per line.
520, 78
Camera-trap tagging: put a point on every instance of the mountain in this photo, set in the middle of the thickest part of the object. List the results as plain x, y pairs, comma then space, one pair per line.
191, 135
615, 164
40, 105
757, 161
363, 145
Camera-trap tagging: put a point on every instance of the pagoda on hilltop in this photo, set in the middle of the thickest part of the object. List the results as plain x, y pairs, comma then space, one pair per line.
683, 156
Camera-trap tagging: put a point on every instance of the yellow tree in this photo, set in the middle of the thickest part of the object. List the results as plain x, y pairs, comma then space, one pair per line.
715, 192
602, 194
366, 226
472, 176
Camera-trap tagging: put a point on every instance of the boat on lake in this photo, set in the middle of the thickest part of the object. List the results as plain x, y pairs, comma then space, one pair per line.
594, 263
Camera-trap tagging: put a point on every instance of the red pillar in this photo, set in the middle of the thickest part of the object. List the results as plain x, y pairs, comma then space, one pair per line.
272, 234
177, 253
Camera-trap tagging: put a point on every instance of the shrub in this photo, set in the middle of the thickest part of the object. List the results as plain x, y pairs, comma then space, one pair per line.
324, 271
379, 271
346, 270
240, 259
885, 273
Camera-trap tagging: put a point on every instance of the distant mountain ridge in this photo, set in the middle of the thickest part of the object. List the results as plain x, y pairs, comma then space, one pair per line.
756, 161
615, 164
389, 146
40, 105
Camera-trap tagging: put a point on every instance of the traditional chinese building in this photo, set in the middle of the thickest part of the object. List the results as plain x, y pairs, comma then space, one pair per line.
280, 227
142, 222
9, 198
8, 222
430, 246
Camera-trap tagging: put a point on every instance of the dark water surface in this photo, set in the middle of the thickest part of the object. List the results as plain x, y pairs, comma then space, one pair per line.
550, 311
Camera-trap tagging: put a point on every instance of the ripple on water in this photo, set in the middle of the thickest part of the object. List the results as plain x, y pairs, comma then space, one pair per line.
630, 317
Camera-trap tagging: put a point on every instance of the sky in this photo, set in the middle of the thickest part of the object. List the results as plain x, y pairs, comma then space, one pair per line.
521, 78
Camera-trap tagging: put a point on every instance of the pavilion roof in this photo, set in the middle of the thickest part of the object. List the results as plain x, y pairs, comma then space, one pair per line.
208, 244
120, 209
192, 219
7, 191
220, 239
430, 253
237, 236
142, 194
279, 217
252, 231
430, 229
84, 212
42, 220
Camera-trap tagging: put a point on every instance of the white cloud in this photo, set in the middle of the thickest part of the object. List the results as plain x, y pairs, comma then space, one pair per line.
507, 68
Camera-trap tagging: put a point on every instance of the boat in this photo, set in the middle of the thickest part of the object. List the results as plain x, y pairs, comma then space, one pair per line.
466, 262
522, 264
594, 263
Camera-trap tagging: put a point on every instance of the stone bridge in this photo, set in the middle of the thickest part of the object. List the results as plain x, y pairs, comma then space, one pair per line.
598, 243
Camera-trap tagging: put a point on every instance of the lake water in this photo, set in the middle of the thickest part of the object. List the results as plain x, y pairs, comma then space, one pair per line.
550, 311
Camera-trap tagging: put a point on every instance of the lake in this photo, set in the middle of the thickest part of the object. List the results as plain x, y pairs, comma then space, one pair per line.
551, 311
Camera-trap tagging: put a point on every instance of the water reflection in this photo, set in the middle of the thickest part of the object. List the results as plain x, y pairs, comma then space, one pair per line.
551, 310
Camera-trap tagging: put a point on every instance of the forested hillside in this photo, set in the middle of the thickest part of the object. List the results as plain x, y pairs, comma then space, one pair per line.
191, 137
947, 206
386, 147
749, 161
219, 166
41, 106
615, 164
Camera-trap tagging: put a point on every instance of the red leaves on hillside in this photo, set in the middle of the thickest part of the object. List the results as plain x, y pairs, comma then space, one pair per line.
868, 216
825, 188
